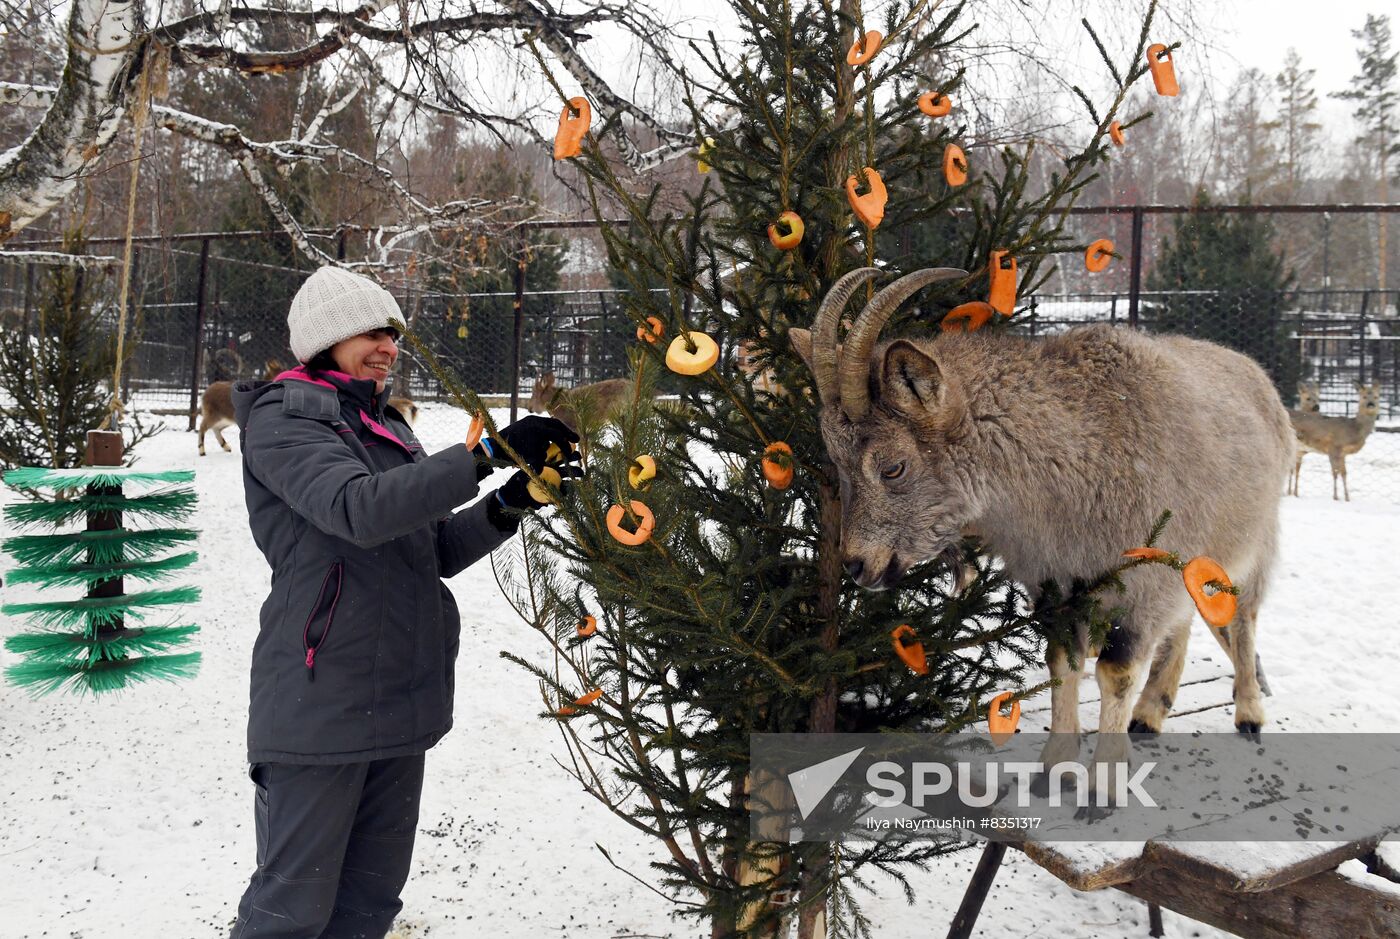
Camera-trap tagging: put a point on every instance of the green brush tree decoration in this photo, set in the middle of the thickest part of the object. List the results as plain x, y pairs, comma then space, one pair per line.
85, 644
697, 596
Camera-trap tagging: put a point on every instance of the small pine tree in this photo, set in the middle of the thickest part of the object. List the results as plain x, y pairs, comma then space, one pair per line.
56, 372
1222, 280
727, 611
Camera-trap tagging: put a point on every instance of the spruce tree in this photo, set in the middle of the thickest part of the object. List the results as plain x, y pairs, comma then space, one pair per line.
691, 585
1222, 279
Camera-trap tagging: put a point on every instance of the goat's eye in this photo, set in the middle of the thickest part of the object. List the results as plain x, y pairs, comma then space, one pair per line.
893, 471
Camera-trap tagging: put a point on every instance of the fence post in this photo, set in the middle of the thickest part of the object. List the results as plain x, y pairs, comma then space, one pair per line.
1135, 287
1361, 336
340, 246
198, 329
519, 335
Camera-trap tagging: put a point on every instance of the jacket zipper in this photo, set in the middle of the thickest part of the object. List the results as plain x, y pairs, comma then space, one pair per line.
336, 570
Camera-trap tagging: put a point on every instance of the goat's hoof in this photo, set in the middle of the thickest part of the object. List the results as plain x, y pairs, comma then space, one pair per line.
227, 448
1139, 728
1250, 730
1092, 813
1040, 784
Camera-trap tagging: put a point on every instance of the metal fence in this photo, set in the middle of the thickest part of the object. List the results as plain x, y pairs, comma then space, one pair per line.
212, 307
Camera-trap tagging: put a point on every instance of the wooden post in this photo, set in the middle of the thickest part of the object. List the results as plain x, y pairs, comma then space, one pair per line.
519, 334
198, 341
1135, 284
104, 448
977, 888
1154, 921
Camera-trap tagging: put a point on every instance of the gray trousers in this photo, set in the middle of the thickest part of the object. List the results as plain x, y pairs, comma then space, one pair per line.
334, 847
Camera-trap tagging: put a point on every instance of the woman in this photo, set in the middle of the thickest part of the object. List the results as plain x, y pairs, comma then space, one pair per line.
352, 673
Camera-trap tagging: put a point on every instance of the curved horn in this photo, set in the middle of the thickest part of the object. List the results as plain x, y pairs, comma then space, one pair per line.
860, 341
824, 328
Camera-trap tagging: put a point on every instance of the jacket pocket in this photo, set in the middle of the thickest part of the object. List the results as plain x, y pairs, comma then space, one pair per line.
322, 616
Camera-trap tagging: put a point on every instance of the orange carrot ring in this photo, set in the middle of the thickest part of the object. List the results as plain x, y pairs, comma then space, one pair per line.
975, 313
869, 208
1216, 610
568, 140
641, 472
935, 103
589, 698
1146, 554
1098, 254
682, 361
864, 48
954, 165
778, 470
1115, 133
646, 522
652, 330
566, 711
1002, 296
1159, 61
909, 649
1001, 728
474, 431
587, 627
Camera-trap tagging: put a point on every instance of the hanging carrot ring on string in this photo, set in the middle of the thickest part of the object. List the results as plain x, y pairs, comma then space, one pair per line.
1115, 133
1002, 290
935, 104
864, 48
1218, 609
999, 726
909, 649
474, 431
777, 465
1159, 62
652, 330
1098, 254
573, 124
646, 522
954, 165
587, 626
974, 314
870, 207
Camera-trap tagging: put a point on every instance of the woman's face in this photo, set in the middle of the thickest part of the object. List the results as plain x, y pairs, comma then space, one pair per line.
368, 355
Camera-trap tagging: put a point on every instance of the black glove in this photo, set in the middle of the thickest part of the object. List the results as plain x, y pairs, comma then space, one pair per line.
530, 437
508, 502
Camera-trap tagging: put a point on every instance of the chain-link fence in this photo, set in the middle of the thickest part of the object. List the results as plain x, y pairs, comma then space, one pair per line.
208, 308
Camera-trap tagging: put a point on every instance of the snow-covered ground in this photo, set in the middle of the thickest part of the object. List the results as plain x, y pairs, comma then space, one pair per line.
131, 816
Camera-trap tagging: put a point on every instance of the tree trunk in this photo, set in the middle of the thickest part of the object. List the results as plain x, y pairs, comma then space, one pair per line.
106, 46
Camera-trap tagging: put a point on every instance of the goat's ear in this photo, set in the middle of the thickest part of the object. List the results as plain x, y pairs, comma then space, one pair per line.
910, 380
547, 379
801, 340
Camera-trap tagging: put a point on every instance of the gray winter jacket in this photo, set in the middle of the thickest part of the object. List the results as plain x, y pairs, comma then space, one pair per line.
358, 637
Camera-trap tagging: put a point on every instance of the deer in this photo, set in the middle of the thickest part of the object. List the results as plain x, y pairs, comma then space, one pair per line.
216, 406
1060, 453
1338, 437
585, 406
1309, 402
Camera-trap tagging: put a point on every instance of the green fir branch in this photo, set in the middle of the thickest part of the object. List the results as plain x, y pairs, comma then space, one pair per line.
102, 547
38, 477
43, 678
173, 505
88, 575
99, 611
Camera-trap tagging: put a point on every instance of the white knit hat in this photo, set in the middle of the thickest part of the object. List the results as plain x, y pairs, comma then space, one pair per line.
335, 304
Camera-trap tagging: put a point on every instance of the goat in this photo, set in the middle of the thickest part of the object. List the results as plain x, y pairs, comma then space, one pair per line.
1338, 437
1309, 402
1060, 453
216, 406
